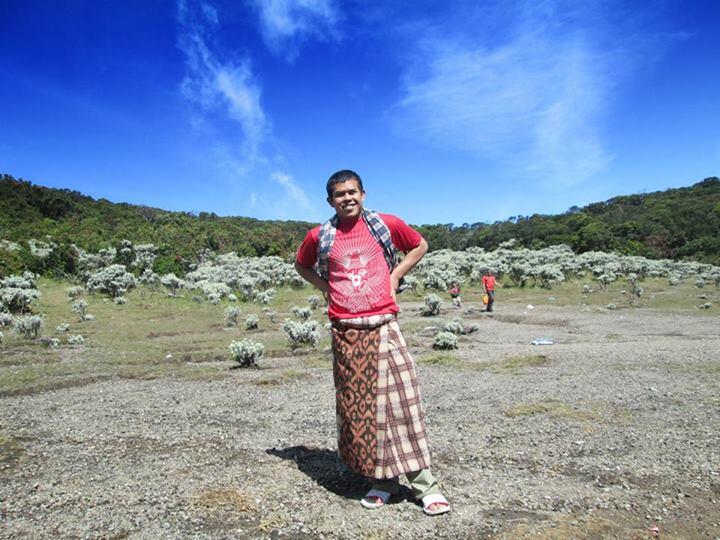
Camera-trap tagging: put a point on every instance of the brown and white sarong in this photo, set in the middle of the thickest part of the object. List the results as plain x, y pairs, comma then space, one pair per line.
381, 425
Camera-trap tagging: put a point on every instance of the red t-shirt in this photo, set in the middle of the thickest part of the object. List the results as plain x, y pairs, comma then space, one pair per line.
359, 276
489, 283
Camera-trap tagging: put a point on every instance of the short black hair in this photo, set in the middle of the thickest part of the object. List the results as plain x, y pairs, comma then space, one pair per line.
340, 177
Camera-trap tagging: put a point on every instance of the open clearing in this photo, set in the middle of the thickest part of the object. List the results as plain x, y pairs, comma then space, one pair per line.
146, 431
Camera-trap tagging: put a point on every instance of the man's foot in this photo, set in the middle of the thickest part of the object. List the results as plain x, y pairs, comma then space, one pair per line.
375, 498
436, 504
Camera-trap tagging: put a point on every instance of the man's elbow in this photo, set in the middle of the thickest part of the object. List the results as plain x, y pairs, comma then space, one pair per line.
422, 247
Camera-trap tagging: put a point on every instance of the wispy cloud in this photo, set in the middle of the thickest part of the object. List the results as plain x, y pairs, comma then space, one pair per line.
221, 87
294, 195
534, 101
286, 23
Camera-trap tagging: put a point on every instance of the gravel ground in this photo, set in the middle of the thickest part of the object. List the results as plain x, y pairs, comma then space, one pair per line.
615, 433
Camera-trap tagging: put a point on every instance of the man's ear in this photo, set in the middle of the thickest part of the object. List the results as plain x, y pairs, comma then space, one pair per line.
329, 201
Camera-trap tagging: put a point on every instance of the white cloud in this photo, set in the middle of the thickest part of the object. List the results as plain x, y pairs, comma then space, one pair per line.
534, 101
284, 23
220, 87
295, 196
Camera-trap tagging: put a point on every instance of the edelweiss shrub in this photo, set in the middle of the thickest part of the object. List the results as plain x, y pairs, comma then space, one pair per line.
74, 292
9, 247
314, 301
700, 283
145, 255
120, 300
172, 283
88, 317
231, 316
1, 337
302, 313
302, 333
445, 341
114, 281
75, 340
251, 322
432, 305
62, 328
265, 297
454, 327
271, 315
28, 326
5, 319
80, 307
246, 352
49, 343
40, 249
459, 329
149, 278
246, 274
17, 293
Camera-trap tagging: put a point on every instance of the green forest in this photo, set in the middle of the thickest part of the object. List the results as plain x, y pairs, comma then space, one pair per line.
677, 224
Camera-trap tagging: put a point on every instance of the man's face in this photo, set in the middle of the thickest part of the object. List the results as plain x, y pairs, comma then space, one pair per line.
347, 199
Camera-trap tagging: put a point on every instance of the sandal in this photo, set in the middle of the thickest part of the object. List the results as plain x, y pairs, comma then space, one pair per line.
435, 499
375, 498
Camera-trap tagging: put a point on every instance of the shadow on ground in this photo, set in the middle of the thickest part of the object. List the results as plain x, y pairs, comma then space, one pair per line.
325, 468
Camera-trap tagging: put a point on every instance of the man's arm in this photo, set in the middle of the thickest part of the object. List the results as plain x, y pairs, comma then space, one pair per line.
412, 257
309, 275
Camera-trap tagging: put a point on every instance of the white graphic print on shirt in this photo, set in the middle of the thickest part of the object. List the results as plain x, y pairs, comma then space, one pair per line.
361, 277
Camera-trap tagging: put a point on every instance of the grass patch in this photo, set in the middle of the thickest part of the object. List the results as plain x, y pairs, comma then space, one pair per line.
10, 451
225, 499
553, 408
284, 377
446, 359
272, 522
515, 363
317, 361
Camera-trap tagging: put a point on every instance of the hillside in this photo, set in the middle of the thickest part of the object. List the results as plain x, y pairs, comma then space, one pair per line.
679, 223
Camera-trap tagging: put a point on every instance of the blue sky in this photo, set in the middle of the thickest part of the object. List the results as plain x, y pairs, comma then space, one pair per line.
452, 112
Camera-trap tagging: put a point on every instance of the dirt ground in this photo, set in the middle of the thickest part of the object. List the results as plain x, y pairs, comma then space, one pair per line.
611, 432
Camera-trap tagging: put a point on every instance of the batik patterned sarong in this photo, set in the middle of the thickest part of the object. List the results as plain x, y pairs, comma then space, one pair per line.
381, 426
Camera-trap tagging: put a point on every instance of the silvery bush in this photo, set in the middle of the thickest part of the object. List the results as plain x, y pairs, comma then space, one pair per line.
246, 352
62, 328
28, 326
231, 316
113, 280
75, 340
302, 313
49, 343
265, 297
74, 292
172, 283
302, 333
17, 293
80, 307
6, 319
41, 249
251, 322
314, 301
432, 305
445, 341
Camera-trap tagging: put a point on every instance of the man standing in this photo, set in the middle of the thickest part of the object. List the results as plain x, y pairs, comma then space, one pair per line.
353, 260
488, 283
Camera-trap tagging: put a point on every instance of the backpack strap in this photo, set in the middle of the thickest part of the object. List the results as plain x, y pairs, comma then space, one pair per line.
378, 229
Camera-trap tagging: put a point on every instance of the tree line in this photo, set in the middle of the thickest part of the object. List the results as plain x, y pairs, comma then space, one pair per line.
681, 224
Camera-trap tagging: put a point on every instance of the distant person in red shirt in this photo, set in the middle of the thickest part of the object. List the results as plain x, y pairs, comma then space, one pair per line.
353, 260
488, 283
455, 295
